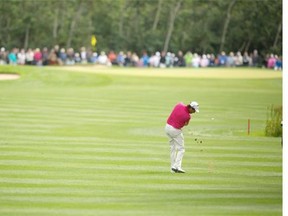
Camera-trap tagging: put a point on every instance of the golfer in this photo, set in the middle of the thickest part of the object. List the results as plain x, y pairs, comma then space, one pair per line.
179, 117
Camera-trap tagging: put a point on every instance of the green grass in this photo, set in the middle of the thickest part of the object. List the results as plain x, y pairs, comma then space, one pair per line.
94, 144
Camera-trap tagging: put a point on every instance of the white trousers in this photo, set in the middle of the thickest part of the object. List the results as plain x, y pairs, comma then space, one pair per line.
176, 141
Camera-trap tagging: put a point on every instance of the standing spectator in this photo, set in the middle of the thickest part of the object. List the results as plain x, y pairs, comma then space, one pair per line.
63, 55
120, 58
89, 55
255, 58
169, 60
145, 59
222, 59
181, 61
112, 57
278, 63
57, 53
196, 61
103, 58
53, 60
127, 59
37, 57
246, 59
77, 58
204, 62
12, 57
135, 59
175, 59
265, 61
162, 63
3, 56
45, 56
188, 59
271, 61
94, 58
238, 59
21, 57
155, 60
70, 56
211, 58
29, 56
230, 60
216, 61
83, 55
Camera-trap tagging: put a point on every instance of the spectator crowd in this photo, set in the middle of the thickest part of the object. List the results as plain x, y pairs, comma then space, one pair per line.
61, 56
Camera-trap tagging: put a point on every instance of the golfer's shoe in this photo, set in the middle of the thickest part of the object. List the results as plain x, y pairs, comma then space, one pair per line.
173, 170
179, 170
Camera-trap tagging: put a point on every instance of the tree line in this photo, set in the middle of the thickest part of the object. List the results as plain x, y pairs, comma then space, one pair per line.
203, 26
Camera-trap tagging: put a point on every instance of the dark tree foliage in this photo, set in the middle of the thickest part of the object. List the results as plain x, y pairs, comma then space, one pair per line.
196, 25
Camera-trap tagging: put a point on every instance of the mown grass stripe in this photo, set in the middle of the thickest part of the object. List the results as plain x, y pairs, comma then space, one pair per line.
95, 146
102, 150
229, 156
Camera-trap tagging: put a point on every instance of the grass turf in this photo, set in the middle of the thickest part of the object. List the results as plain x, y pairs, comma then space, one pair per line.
94, 144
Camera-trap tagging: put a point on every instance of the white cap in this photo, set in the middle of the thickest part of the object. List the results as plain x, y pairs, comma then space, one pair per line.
195, 105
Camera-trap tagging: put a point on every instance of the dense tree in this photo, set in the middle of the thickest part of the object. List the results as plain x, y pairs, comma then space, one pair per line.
196, 25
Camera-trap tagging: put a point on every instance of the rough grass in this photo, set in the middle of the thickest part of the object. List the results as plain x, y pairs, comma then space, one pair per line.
94, 144
274, 121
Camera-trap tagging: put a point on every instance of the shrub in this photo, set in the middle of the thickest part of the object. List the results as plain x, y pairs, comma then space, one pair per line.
274, 121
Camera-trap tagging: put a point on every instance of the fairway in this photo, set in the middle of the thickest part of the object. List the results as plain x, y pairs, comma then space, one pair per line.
90, 141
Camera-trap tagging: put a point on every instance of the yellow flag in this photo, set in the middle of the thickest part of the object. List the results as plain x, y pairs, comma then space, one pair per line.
93, 40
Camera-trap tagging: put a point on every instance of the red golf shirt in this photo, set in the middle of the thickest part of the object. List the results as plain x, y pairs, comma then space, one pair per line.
179, 116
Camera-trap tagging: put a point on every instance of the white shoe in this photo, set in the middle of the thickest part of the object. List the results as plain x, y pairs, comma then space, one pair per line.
179, 170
